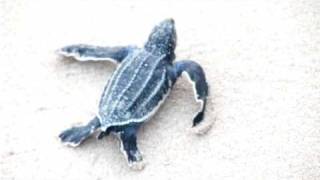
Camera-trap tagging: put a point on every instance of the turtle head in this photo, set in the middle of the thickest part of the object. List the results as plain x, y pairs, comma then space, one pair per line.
162, 39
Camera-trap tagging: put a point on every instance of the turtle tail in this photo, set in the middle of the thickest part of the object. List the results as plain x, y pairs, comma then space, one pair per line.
104, 133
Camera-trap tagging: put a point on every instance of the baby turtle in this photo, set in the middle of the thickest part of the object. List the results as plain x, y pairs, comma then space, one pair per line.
137, 88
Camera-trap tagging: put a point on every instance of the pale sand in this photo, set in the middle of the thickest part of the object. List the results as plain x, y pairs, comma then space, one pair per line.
262, 61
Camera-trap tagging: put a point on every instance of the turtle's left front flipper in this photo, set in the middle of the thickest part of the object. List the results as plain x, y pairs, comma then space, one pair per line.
83, 52
197, 77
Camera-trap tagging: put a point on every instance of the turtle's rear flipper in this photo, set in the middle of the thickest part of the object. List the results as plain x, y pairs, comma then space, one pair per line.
128, 143
83, 52
76, 135
197, 77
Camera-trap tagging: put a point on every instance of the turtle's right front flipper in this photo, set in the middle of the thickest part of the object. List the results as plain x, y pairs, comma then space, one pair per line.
197, 77
82, 52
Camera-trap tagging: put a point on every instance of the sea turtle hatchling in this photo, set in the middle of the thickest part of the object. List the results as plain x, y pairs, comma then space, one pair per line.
137, 88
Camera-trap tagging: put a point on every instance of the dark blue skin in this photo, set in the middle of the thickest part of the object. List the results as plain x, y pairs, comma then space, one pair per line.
161, 41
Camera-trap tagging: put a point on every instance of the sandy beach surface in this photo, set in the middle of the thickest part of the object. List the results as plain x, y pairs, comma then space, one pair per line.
262, 61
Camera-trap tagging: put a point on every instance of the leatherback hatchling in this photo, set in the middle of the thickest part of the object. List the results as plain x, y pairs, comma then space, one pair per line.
137, 88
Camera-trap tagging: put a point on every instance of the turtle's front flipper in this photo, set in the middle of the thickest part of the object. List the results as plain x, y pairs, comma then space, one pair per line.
129, 147
76, 135
197, 77
84, 52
